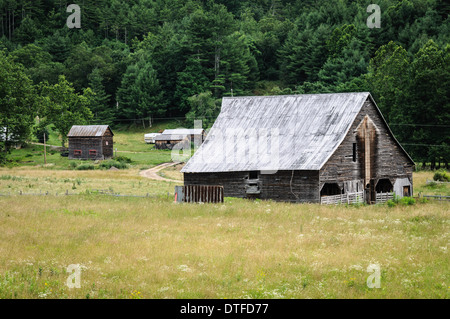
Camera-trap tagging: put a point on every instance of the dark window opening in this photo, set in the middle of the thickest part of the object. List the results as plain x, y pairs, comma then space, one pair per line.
92, 152
330, 189
354, 152
384, 185
77, 152
253, 175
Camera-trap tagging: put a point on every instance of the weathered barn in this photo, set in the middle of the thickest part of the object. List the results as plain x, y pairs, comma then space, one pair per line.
171, 137
303, 148
90, 142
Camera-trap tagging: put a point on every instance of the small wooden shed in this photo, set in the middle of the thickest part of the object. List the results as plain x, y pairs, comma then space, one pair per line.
90, 142
171, 137
168, 141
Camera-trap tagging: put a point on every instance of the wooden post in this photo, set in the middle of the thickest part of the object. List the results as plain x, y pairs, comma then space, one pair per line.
45, 152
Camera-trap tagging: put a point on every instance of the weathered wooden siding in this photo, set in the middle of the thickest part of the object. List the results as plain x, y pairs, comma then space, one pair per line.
278, 186
387, 160
108, 144
85, 144
168, 145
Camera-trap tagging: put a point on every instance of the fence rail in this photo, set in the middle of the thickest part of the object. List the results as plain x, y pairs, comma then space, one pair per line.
436, 197
348, 198
383, 197
432, 181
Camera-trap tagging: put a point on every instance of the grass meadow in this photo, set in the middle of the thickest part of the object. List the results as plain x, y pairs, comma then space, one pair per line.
155, 248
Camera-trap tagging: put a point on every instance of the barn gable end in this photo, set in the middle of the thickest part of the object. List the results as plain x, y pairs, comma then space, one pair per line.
368, 156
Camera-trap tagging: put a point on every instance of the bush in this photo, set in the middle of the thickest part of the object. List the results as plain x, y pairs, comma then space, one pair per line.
441, 176
86, 167
407, 201
111, 163
391, 203
123, 159
73, 165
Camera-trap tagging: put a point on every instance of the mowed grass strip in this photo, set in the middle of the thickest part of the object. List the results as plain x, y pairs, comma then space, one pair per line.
154, 248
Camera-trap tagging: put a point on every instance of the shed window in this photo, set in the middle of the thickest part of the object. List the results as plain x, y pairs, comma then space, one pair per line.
77, 152
354, 152
92, 152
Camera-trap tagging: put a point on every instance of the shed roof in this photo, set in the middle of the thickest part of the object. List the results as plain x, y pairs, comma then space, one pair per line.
184, 131
304, 131
88, 130
171, 137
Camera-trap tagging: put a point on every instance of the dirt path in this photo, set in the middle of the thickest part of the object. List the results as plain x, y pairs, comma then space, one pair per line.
152, 173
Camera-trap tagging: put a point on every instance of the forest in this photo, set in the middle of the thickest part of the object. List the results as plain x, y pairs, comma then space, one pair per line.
137, 61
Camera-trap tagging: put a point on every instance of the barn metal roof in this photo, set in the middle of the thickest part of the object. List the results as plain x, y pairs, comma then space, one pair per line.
88, 130
288, 132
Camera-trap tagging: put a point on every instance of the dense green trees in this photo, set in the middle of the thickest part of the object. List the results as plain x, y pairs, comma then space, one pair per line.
61, 106
177, 58
17, 104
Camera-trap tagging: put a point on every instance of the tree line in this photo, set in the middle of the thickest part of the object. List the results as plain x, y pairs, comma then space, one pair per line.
137, 59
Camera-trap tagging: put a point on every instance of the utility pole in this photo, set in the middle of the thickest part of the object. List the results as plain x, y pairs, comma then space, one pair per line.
45, 152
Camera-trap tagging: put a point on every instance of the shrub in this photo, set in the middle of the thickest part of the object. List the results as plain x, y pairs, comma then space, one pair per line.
123, 159
407, 201
391, 203
402, 201
86, 167
73, 165
441, 176
111, 163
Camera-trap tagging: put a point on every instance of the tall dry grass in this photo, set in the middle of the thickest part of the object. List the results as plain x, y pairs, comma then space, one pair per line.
154, 248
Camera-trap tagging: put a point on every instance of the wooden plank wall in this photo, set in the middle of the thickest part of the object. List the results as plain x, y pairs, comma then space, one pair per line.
85, 144
388, 160
278, 186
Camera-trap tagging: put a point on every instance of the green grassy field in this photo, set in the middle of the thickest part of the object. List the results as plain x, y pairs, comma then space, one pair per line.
155, 248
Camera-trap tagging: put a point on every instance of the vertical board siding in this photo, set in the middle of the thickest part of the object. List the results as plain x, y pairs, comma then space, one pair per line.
202, 194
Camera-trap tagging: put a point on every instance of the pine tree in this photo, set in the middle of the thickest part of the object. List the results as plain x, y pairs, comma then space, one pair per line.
100, 104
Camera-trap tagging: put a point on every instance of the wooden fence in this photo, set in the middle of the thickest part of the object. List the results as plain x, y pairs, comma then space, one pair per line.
436, 197
383, 197
348, 198
430, 181
199, 194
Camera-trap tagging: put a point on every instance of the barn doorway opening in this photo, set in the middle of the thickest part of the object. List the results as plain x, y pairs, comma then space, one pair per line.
330, 189
384, 185
407, 191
